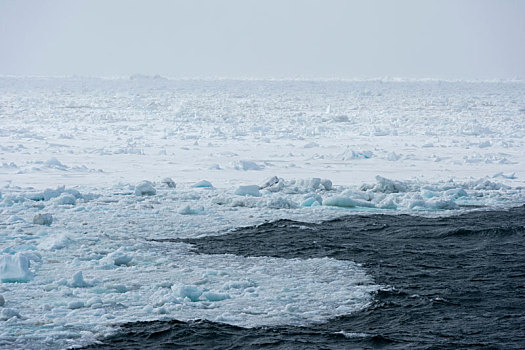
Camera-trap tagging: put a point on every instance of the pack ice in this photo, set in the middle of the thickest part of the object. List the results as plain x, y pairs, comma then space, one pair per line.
99, 177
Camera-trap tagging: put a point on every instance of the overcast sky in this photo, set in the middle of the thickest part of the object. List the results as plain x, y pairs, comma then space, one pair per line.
264, 38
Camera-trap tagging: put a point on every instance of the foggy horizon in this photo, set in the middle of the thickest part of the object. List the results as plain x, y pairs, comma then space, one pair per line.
309, 40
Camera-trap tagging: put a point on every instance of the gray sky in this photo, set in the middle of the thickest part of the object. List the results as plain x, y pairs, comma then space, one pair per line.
264, 39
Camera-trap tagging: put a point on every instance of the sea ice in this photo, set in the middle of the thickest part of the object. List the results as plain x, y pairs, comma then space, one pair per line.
327, 184
15, 219
311, 145
187, 291
50, 193
94, 301
346, 202
203, 184
250, 190
187, 210
58, 241
268, 123
269, 182
78, 304
66, 199
247, 165
43, 219
15, 268
272, 184
211, 296
281, 203
168, 181
120, 258
54, 163
385, 185
145, 188
78, 280
8, 313
312, 200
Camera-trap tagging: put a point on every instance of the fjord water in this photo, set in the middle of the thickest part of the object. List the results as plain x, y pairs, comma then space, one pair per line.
449, 282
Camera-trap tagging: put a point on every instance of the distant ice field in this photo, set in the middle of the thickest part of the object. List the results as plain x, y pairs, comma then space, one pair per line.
98, 175
106, 131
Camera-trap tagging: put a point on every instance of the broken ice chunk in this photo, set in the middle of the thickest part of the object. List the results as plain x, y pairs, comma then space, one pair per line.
43, 219
250, 190
14, 268
145, 188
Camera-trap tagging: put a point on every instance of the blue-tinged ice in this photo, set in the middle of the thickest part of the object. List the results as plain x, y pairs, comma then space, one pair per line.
187, 291
203, 184
15, 268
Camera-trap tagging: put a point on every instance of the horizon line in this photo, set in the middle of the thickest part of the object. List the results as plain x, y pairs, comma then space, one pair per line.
159, 77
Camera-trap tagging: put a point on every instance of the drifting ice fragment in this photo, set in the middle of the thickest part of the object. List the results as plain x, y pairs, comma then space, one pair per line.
78, 281
191, 292
269, 182
55, 242
385, 185
341, 119
14, 268
251, 190
2, 300
211, 296
43, 219
203, 184
50, 193
120, 258
272, 184
94, 301
145, 188
66, 199
119, 288
54, 163
393, 157
187, 210
74, 193
346, 202
311, 145
500, 174
443, 204
14, 218
75, 305
327, 184
312, 200
247, 165
281, 203
387, 203
8, 314
314, 183
169, 182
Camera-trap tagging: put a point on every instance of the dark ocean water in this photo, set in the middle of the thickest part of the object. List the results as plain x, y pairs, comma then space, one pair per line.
454, 282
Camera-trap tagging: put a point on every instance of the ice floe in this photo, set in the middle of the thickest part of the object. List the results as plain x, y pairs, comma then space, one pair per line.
145, 188
15, 268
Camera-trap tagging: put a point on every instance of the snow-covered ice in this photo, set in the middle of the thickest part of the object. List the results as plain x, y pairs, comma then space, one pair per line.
97, 175
248, 190
145, 188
